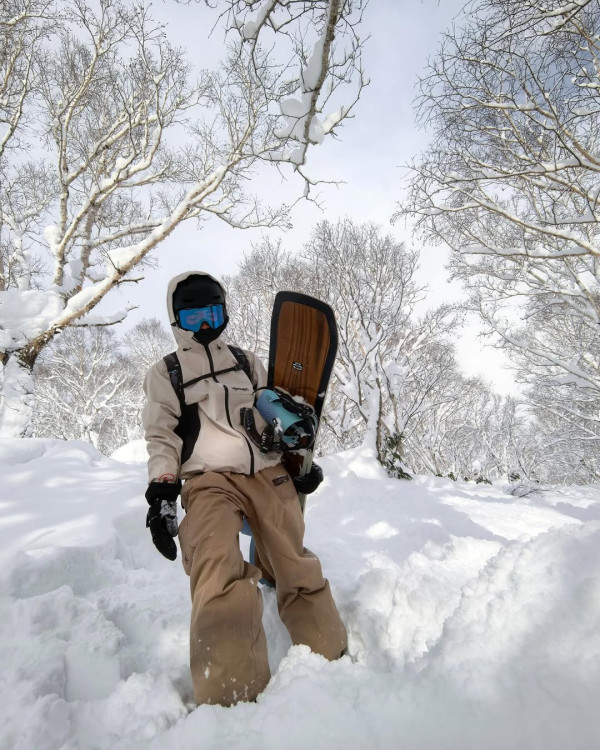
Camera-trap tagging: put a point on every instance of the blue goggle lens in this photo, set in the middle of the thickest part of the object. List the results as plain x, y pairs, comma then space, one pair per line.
192, 318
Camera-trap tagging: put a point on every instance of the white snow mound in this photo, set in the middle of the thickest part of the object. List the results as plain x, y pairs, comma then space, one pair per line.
473, 616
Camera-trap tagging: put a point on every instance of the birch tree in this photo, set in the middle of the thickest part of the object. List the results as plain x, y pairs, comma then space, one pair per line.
265, 270
390, 361
511, 183
99, 183
391, 364
85, 390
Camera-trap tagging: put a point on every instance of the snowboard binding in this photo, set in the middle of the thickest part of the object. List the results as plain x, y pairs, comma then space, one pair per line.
291, 425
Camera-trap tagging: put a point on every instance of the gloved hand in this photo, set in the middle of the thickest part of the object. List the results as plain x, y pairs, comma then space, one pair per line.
162, 516
309, 482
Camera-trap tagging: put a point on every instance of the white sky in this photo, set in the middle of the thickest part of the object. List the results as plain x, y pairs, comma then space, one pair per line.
368, 157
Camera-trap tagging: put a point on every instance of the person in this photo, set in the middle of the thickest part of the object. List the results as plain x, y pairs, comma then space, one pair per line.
226, 480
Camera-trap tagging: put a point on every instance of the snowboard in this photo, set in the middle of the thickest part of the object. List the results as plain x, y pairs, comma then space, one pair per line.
302, 349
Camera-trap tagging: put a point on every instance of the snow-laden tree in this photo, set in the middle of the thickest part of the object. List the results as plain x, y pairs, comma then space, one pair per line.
85, 389
432, 419
545, 314
146, 343
98, 102
568, 424
263, 272
390, 361
511, 184
391, 364
442, 439
141, 347
512, 99
24, 24
89, 383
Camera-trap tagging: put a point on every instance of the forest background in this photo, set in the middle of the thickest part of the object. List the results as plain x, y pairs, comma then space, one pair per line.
506, 184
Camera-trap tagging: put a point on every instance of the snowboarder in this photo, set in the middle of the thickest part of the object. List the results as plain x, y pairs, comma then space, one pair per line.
226, 479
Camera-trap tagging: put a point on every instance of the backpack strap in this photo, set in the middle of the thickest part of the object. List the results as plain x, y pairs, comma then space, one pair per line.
242, 359
242, 364
188, 427
175, 376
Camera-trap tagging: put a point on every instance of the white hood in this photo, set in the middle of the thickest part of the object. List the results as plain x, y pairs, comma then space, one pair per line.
184, 338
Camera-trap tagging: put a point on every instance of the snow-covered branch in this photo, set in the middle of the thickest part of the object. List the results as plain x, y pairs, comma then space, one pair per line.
109, 94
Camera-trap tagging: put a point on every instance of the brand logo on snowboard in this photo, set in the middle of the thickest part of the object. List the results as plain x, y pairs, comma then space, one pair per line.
298, 366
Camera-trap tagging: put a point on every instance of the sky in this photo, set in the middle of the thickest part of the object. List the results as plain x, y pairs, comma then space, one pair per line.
368, 159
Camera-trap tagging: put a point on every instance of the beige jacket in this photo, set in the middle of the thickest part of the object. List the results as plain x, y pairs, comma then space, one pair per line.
221, 443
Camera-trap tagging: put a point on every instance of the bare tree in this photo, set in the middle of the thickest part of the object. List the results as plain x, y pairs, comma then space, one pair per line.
110, 186
142, 346
567, 438
24, 24
89, 383
511, 184
512, 98
389, 360
391, 365
85, 389
146, 343
397, 384
263, 272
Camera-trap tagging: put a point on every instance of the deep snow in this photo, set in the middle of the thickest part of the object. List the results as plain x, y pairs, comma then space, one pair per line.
474, 616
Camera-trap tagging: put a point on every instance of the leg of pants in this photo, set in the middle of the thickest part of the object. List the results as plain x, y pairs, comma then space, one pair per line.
304, 598
228, 648
227, 643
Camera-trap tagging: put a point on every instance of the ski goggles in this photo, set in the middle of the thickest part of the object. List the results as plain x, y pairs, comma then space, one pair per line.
191, 318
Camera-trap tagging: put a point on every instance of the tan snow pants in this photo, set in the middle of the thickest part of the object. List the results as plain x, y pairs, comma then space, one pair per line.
228, 648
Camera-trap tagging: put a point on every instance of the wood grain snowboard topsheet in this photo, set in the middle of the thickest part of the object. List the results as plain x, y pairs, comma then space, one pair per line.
303, 343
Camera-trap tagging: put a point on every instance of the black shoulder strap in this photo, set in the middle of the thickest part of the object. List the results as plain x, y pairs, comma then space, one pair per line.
242, 359
188, 427
175, 376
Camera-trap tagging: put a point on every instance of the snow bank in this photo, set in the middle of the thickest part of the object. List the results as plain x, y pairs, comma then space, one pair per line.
131, 453
474, 617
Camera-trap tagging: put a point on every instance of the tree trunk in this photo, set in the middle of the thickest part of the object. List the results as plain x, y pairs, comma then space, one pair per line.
373, 406
16, 397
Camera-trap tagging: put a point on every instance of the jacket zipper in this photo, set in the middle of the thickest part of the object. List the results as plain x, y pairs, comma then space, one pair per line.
214, 377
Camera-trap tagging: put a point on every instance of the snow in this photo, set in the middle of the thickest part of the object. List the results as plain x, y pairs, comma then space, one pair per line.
52, 235
473, 616
251, 27
25, 315
17, 398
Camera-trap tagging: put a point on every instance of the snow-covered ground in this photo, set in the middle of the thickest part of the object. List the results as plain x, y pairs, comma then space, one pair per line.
474, 616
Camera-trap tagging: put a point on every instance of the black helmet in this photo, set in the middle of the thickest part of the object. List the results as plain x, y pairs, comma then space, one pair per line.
200, 291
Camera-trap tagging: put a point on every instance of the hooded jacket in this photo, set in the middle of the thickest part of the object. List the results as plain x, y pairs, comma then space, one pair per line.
221, 443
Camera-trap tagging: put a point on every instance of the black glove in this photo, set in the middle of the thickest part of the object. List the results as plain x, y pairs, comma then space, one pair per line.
309, 482
162, 516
